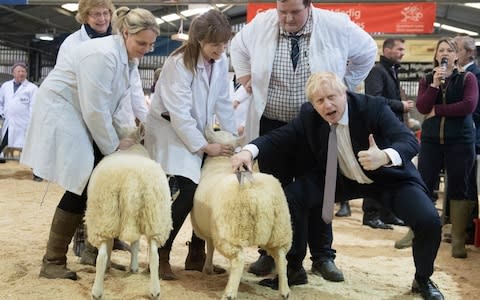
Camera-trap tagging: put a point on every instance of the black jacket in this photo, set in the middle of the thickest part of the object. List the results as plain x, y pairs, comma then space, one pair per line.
367, 114
381, 82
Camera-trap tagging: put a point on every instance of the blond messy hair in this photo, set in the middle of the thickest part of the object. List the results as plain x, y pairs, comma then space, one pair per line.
323, 80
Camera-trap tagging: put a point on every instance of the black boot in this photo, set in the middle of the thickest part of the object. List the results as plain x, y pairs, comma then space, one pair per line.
264, 265
344, 210
61, 232
196, 256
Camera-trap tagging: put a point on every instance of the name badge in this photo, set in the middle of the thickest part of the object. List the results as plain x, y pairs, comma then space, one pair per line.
25, 100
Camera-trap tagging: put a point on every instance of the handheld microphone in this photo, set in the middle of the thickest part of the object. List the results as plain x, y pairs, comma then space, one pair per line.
443, 64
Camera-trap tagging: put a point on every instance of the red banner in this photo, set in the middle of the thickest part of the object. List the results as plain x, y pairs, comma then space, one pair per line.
401, 18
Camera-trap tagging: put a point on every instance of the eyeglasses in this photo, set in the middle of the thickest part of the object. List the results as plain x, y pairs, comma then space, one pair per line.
97, 15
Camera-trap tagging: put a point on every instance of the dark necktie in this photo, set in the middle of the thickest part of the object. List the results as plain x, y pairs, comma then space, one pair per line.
16, 85
330, 177
295, 53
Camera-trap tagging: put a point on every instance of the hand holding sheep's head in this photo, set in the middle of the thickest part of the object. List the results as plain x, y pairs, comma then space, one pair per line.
220, 143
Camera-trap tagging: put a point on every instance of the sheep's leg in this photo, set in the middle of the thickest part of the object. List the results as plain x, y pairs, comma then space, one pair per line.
109, 247
208, 265
281, 265
102, 258
236, 270
154, 281
134, 248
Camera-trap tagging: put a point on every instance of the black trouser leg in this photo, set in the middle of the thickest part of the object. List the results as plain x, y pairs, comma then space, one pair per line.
181, 207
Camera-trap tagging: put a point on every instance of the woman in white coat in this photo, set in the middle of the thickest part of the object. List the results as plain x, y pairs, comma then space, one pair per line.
95, 17
74, 121
16, 100
193, 88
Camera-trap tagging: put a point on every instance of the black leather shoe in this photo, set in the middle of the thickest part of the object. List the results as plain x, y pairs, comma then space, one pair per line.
37, 179
295, 277
2, 160
376, 223
344, 210
393, 220
328, 270
428, 290
264, 265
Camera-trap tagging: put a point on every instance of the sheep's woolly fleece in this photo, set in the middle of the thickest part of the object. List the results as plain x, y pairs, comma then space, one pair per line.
128, 195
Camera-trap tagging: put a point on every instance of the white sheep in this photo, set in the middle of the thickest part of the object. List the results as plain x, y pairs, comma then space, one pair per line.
230, 216
128, 195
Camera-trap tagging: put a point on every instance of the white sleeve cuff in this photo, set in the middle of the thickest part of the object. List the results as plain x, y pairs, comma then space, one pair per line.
394, 157
252, 149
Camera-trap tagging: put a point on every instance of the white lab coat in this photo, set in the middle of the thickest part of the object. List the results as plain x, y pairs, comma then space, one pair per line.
16, 109
192, 103
139, 108
243, 97
76, 103
335, 40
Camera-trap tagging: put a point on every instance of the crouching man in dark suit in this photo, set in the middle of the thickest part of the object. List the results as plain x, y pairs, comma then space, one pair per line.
372, 151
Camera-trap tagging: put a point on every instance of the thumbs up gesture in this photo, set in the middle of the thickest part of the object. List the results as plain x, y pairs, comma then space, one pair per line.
373, 158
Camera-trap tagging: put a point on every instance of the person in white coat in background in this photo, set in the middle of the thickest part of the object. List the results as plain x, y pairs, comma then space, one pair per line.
16, 100
273, 56
95, 17
74, 122
193, 90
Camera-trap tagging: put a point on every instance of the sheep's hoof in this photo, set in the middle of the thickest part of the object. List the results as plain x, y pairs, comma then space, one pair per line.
155, 297
225, 297
286, 296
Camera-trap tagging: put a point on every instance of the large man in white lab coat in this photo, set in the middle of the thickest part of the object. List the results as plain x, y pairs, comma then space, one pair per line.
16, 100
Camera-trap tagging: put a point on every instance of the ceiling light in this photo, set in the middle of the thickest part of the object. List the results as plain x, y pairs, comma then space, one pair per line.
473, 4
455, 29
171, 17
71, 7
159, 21
195, 11
44, 36
220, 5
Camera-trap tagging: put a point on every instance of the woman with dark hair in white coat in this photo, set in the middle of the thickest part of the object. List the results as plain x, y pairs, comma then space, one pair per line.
193, 90
74, 121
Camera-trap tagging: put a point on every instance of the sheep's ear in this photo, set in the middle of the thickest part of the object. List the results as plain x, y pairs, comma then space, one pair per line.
210, 134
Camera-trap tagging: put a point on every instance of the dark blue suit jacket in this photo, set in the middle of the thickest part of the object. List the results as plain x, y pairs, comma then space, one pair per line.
367, 114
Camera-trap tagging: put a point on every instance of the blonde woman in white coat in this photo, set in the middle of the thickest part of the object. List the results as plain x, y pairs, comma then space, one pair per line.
192, 88
74, 121
16, 100
95, 17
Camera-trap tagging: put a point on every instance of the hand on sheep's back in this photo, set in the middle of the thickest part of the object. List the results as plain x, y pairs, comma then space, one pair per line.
242, 159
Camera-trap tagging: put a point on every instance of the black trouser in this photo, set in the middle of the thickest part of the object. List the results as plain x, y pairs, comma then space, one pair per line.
320, 236
74, 203
457, 161
408, 200
4, 141
181, 207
